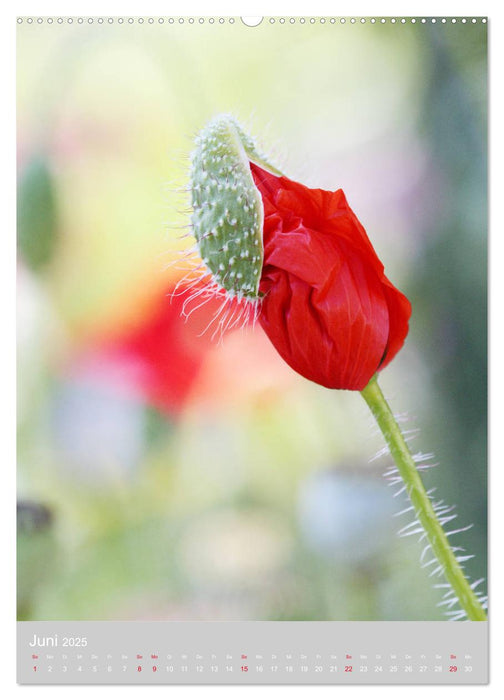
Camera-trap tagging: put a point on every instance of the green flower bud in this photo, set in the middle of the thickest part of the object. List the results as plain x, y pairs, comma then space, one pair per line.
228, 215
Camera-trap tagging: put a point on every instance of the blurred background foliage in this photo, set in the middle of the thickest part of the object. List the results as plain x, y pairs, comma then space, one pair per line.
165, 476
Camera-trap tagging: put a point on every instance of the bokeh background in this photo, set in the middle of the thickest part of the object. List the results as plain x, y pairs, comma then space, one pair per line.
165, 476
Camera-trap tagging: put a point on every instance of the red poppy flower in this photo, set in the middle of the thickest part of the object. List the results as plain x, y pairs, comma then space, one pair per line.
159, 355
328, 307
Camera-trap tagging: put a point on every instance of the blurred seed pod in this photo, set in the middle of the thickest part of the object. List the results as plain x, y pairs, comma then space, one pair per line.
36, 554
347, 515
37, 221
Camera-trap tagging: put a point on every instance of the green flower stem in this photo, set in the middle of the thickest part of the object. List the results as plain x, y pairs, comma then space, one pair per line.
420, 500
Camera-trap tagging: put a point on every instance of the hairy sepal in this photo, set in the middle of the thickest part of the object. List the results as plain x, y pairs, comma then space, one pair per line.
228, 214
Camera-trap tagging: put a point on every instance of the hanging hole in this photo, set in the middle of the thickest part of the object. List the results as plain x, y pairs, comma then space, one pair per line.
251, 21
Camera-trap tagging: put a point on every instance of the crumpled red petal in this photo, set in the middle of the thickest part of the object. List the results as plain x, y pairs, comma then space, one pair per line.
328, 307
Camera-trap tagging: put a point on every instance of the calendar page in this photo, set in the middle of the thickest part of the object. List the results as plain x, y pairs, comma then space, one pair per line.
252, 406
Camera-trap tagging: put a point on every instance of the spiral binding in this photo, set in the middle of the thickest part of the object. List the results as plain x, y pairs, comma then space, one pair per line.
271, 20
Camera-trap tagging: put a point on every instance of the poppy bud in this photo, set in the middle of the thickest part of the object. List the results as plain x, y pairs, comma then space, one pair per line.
301, 255
227, 217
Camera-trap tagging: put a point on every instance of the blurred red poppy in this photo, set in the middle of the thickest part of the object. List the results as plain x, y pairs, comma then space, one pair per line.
328, 307
159, 355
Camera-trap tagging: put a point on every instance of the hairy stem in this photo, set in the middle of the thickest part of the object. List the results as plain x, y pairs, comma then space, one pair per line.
421, 502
